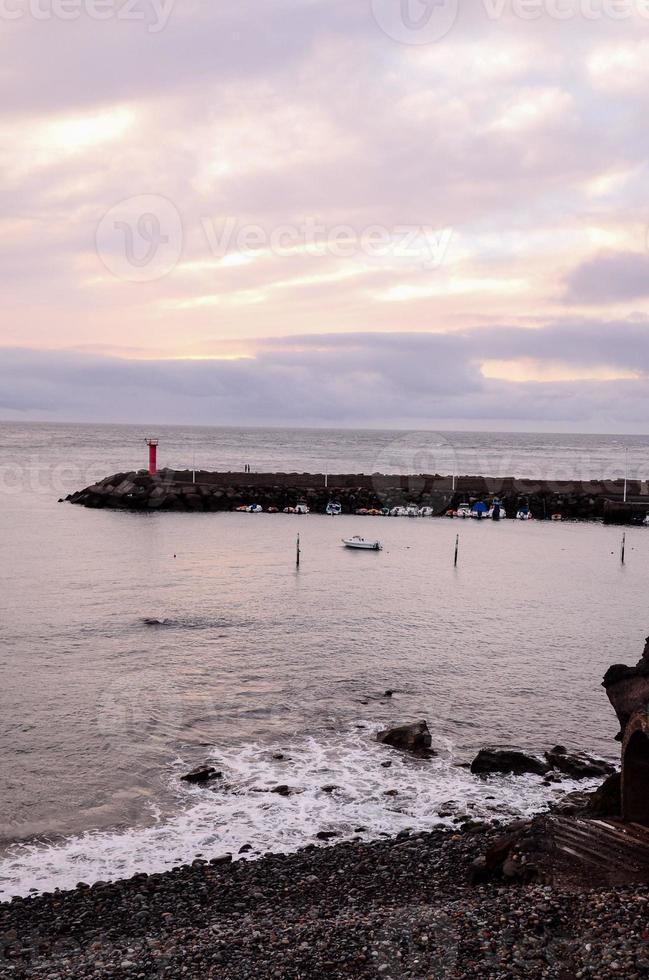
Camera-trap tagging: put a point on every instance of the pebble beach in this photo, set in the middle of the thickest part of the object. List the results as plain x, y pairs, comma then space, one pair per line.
398, 908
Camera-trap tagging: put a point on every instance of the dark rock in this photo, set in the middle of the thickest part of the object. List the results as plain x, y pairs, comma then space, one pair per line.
327, 834
282, 790
224, 859
573, 804
507, 761
607, 800
202, 775
579, 765
329, 789
412, 738
245, 848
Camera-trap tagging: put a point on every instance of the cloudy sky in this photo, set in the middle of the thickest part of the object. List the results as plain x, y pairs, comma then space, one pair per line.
429, 212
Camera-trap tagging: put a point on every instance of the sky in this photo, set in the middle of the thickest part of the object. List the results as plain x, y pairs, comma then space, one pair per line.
326, 212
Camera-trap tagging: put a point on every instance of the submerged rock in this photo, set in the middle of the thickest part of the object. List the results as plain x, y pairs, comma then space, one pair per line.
507, 762
412, 738
201, 775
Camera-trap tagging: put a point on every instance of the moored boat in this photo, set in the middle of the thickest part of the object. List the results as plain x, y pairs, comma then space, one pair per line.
362, 544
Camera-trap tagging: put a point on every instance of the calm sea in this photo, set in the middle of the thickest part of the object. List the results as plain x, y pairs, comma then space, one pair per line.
101, 709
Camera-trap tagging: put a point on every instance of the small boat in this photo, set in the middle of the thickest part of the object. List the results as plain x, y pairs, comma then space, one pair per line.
559, 517
301, 508
334, 509
497, 512
362, 544
464, 510
412, 510
479, 510
398, 512
524, 514
426, 512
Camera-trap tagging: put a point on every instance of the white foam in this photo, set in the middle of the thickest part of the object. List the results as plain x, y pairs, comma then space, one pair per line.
213, 822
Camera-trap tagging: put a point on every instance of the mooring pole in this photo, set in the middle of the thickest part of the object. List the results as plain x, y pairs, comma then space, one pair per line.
623, 547
626, 473
457, 547
297, 553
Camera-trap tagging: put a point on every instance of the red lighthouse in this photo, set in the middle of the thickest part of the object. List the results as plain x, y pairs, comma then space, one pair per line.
153, 456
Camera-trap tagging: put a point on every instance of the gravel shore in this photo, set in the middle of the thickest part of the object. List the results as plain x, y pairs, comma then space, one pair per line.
397, 908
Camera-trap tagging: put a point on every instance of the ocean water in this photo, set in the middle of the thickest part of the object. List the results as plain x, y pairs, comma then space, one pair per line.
133, 647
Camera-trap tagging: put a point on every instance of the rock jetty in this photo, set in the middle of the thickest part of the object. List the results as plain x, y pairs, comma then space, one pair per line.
175, 490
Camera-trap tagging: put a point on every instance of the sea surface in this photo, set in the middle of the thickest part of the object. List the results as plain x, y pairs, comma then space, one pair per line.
136, 646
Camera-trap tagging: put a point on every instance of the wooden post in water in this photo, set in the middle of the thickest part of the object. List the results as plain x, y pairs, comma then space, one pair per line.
622, 556
457, 547
297, 553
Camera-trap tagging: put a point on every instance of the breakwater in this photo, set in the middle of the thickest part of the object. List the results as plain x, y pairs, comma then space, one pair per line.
184, 490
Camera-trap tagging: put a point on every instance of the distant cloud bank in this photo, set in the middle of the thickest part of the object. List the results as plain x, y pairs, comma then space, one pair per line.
514, 376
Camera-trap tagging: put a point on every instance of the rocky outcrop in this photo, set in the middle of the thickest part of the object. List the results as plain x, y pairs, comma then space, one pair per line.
628, 688
628, 691
507, 761
411, 738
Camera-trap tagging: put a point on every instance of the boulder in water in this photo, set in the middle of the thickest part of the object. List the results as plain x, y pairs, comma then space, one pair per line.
507, 762
578, 765
412, 738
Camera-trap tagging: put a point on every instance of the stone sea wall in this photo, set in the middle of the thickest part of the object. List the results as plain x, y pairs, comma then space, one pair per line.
171, 490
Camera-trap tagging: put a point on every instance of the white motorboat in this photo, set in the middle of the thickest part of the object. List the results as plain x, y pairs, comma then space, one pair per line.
426, 512
398, 512
412, 510
497, 512
464, 510
524, 514
362, 544
334, 509
301, 508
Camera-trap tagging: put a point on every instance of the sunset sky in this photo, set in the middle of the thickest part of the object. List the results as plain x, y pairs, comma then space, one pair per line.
326, 212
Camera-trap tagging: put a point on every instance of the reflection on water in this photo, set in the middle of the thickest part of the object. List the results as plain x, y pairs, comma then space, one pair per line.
122, 664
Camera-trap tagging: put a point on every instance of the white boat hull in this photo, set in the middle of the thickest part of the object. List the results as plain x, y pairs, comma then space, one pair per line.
362, 544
